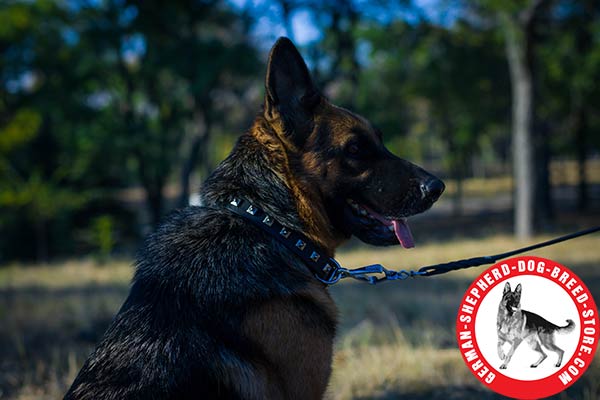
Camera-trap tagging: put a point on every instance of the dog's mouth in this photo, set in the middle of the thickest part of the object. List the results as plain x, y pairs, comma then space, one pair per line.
377, 229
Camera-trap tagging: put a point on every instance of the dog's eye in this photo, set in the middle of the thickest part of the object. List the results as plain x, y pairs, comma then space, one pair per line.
352, 149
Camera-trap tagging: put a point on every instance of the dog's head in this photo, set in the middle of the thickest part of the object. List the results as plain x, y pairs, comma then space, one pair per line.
511, 300
338, 158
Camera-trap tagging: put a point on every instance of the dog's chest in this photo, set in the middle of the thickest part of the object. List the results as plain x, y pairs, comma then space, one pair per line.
510, 325
296, 335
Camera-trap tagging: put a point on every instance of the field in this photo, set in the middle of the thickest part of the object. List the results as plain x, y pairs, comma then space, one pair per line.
396, 341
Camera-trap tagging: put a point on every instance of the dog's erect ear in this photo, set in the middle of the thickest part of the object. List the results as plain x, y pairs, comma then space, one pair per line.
291, 95
518, 292
506, 288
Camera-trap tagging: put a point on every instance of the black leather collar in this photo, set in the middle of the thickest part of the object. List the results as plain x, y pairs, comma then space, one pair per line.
324, 268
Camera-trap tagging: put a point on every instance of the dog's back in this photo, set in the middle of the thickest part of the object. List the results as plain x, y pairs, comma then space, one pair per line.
538, 324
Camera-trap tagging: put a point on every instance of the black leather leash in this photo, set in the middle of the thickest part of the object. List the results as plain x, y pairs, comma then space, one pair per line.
329, 271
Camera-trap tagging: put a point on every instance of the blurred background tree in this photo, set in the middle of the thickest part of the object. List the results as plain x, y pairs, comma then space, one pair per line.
113, 111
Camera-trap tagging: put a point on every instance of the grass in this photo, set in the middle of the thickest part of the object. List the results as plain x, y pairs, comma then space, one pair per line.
69, 274
395, 340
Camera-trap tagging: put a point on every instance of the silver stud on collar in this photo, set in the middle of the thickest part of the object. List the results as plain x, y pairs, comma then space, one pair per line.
251, 210
300, 244
285, 233
267, 220
235, 202
315, 256
327, 268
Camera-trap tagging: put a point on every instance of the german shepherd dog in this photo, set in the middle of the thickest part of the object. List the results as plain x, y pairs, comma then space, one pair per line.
220, 309
515, 325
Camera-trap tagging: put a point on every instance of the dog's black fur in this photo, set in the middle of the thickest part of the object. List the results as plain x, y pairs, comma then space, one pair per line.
219, 309
177, 335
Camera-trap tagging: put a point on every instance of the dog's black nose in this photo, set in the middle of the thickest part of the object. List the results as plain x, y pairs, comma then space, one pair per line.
432, 189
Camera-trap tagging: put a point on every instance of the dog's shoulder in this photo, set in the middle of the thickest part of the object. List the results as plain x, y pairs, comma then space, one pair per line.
213, 251
192, 234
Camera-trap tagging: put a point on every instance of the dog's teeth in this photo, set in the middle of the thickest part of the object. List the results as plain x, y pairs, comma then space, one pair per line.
354, 206
390, 228
362, 211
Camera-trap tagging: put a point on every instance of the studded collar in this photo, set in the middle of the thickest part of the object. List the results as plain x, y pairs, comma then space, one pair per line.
324, 268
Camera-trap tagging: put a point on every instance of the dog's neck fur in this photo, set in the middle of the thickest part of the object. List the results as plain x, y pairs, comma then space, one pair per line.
263, 175
505, 310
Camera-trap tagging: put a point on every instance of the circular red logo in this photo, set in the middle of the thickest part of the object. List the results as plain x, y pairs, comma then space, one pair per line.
527, 327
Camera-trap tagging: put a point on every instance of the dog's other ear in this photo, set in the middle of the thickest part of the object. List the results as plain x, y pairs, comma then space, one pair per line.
291, 95
518, 292
506, 288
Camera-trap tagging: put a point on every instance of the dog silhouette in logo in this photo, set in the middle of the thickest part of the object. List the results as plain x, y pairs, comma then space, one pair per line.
515, 325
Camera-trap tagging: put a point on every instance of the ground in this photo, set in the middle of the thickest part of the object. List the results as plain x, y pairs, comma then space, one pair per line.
396, 340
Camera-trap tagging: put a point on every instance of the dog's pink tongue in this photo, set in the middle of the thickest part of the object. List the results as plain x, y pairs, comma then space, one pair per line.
403, 233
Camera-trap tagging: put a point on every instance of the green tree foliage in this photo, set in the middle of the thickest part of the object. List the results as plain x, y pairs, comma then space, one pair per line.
111, 111
461, 75
165, 71
570, 61
34, 176
97, 97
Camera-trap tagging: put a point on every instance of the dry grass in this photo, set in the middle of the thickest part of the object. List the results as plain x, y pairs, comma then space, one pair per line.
69, 274
402, 370
378, 371
395, 341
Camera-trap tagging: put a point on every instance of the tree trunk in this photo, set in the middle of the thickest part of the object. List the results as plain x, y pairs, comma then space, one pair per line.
41, 242
343, 19
153, 188
350, 44
522, 122
581, 145
456, 162
154, 199
186, 171
581, 95
287, 7
544, 209
458, 196
197, 154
